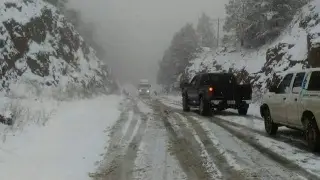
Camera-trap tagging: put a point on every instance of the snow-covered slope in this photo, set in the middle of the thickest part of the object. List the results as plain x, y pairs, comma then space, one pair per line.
40, 50
43, 63
42, 58
68, 145
296, 48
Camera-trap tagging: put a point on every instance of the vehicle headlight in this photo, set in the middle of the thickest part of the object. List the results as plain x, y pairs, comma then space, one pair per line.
139, 90
148, 91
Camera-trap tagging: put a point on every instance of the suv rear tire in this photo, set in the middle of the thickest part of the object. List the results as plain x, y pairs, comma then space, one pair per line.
185, 106
270, 127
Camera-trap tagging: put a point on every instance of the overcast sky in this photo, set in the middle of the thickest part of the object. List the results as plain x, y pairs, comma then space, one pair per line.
135, 33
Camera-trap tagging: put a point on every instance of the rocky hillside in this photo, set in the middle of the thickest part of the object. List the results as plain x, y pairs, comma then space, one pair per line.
296, 48
41, 50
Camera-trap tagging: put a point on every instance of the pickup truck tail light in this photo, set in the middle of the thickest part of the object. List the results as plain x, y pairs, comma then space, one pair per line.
210, 91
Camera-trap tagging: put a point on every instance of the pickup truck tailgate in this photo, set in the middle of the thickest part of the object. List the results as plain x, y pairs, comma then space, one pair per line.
223, 91
224, 87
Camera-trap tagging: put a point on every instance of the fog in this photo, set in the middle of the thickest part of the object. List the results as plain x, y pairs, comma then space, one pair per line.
135, 33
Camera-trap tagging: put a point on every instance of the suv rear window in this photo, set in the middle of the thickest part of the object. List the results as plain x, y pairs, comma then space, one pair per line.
314, 83
285, 84
298, 80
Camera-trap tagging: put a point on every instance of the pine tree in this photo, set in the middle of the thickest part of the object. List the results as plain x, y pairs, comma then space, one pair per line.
166, 69
236, 18
205, 32
60, 4
183, 46
176, 58
255, 22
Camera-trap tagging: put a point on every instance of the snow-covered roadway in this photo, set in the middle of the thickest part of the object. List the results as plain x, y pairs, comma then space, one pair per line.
156, 140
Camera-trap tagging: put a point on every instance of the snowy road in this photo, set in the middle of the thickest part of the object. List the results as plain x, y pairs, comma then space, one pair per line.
154, 140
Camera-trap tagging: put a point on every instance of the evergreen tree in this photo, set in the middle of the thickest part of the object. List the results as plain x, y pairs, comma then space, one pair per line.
60, 4
205, 32
183, 47
255, 22
176, 58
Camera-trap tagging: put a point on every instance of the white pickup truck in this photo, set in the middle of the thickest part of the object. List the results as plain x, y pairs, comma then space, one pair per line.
295, 103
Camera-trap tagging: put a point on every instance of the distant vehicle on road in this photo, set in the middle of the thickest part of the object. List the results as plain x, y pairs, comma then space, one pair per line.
144, 88
295, 103
215, 91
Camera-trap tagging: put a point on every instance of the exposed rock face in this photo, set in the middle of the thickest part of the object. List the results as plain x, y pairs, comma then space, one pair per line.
38, 44
278, 61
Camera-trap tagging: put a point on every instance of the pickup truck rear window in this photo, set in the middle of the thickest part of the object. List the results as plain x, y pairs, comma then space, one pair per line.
314, 83
221, 79
209, 79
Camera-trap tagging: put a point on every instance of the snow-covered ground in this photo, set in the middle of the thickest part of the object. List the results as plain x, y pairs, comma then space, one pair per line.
110, 137
291, 147
175, 101
288, 145
66, 146
153, 159
230, 153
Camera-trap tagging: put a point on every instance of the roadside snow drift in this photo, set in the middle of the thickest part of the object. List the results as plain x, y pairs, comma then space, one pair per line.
66, 148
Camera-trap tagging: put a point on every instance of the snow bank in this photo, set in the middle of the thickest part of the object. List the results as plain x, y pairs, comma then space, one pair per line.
66, 148
224, 59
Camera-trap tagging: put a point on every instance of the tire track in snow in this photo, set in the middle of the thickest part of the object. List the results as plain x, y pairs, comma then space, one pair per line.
292, 139
119, 159
227, 170
295, 141
154, 161
184, 147
282, 161
116, 134
249, 139
211, 163
127, 167
255, 164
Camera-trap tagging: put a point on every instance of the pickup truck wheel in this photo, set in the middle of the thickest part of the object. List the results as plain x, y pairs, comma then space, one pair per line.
204, 108
185, 105
270, 127
243, 111
313, 136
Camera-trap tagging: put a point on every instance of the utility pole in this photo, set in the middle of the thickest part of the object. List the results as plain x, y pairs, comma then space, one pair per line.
218, 29
242, 24
218, 33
